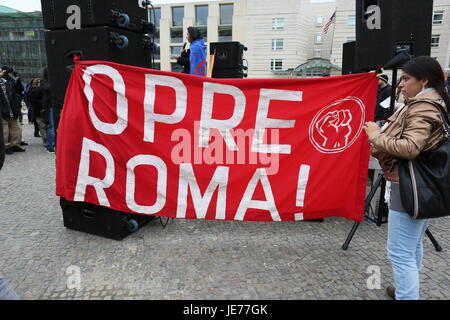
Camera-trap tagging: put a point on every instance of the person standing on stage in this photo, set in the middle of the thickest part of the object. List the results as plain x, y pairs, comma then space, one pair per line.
194, 58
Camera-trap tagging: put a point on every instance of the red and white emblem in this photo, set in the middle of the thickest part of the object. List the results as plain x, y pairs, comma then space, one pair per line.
337, 126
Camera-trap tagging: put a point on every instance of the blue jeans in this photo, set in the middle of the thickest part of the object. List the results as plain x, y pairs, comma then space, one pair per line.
405, 250
6, 292
51, 131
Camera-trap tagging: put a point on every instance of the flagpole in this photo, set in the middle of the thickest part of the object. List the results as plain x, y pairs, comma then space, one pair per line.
332, 37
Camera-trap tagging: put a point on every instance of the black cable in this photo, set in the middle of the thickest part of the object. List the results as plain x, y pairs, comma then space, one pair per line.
164, 224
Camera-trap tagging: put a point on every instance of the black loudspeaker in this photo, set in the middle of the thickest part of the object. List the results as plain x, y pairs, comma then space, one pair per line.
76, 14
97, 43
393, 26
229, 55
227, 73
348, 58
101, 221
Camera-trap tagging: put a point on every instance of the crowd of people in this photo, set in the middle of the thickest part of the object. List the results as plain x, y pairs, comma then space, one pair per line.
37, 98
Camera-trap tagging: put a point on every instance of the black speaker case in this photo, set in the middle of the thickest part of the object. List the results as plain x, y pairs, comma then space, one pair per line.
348, 57
228, 55
227, 73
403, 22
93, 13
91, 44
98, 220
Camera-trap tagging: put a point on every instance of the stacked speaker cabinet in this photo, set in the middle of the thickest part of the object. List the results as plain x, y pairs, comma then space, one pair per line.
229, 61
386, 27
348, 57
108, 30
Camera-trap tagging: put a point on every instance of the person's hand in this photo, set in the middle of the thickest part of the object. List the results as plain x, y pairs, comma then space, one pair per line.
173, 56
372, 129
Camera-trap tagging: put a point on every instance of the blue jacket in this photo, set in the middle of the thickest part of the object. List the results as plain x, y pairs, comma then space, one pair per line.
198, 58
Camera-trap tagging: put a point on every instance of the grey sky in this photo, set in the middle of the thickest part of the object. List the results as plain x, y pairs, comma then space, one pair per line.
33, 5
22, 5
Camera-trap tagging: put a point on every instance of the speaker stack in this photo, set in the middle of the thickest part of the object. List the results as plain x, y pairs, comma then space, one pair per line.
385, 28
349, 58
229, 61
110, 30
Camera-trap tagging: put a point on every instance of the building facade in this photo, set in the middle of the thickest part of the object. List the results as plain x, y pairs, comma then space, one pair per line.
284, 38
22, 44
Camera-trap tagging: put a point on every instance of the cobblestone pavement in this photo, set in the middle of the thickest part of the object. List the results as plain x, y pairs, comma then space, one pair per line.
189, 259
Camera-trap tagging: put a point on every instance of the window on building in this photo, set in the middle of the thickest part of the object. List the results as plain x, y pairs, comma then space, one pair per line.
176, 50
435, 40
157, 66
157, 53
225, 33
4, 35
438, 17
277, 44
277, 23
319, 21
16, 35
176, 35
30, 34
350, 39
351, 21
315, 72
276, 64
225, 28
177, 16
201, 15
317, 53
175, 67
176, 31
318, 38
156, 16
204, 31
226, 14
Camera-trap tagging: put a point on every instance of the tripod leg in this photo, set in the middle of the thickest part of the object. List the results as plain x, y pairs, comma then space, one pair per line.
366, 207
350, 235
433, 240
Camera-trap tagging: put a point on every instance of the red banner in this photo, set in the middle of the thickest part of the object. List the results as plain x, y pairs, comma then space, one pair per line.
169, 144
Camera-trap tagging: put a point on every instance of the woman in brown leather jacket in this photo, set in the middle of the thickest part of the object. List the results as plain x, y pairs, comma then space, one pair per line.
413, 128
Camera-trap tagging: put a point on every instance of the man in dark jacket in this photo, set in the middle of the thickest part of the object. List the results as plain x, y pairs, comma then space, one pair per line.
10, 108
34, 99
49, 111
384, 92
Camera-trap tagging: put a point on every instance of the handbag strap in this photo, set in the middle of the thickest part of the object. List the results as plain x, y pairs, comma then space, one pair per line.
442, 113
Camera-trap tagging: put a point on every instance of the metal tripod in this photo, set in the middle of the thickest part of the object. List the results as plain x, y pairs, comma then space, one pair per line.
379, 219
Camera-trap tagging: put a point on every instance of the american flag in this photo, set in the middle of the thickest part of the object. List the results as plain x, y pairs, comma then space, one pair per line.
328, 24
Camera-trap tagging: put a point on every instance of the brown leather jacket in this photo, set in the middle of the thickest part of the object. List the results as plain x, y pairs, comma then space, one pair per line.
422, 130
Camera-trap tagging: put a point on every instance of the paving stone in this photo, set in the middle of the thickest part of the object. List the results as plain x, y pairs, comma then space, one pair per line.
190, 259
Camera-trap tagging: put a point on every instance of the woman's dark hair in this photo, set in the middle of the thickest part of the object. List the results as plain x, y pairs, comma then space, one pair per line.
194, 33
428, 68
